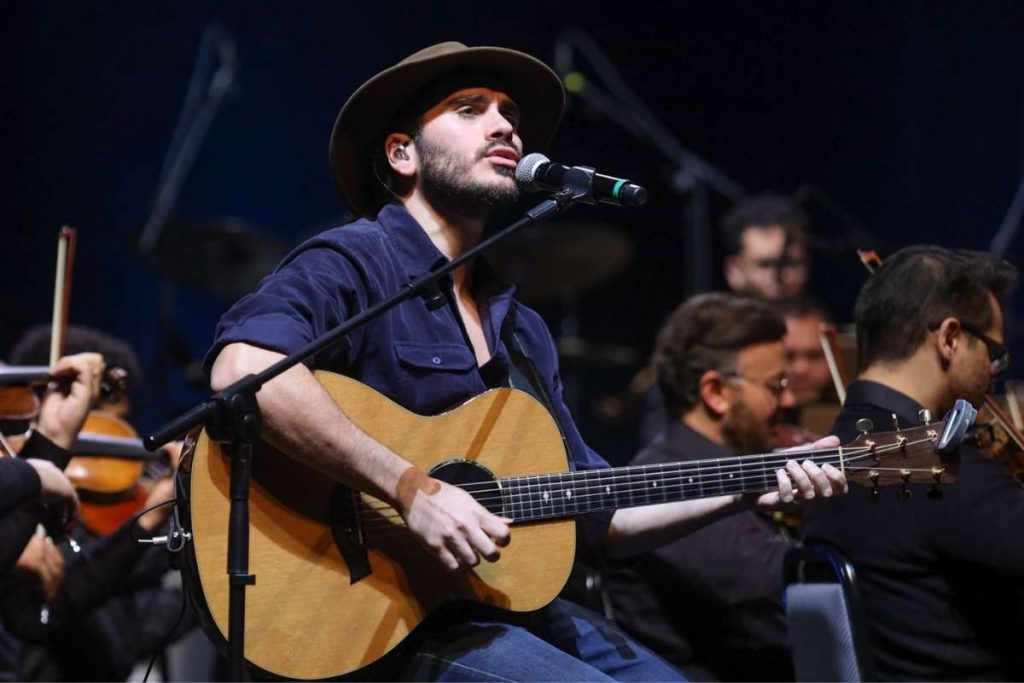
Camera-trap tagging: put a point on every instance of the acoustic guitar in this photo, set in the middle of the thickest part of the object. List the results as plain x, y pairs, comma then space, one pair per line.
340, 581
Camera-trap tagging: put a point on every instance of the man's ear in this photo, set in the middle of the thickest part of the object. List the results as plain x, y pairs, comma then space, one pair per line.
947, 337
714, 393
401, 154
733, 274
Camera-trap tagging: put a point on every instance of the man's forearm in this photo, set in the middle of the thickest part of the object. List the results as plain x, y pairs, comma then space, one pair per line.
301, 419
637, 530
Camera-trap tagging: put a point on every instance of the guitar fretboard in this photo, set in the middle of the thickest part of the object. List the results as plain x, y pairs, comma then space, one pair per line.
549, 496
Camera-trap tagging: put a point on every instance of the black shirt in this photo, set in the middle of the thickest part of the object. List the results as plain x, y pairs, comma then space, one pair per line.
713, 597
942, 579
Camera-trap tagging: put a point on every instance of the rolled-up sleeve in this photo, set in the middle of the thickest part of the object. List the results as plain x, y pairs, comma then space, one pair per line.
310, 293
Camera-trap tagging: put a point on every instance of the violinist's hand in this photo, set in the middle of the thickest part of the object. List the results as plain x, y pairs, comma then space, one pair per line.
43, 561
56, 486
804, 481
152, 521
63, 410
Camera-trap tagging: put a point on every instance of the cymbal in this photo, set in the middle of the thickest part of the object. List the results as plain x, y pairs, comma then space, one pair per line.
224, 256
551, 259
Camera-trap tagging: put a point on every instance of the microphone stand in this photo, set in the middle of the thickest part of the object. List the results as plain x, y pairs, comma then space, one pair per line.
233, 415
693, 175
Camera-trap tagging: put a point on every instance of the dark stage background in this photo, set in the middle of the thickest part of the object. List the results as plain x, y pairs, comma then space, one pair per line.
908, 114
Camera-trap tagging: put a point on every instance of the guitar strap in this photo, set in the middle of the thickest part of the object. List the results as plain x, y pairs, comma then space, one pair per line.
523, 375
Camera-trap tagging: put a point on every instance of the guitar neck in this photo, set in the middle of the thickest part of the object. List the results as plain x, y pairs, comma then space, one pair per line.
551, 496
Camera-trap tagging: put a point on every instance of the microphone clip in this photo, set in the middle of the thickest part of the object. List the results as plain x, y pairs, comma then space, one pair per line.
577, 185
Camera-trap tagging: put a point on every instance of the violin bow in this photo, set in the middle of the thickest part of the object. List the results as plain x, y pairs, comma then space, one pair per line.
66, 241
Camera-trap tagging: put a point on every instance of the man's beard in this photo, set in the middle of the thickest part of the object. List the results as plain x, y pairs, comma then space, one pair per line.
744, 433
447, 183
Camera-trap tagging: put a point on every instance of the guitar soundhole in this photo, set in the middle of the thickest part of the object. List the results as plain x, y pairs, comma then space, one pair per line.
474, 478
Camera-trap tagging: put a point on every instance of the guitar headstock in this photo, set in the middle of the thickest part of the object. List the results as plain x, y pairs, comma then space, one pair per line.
927, 454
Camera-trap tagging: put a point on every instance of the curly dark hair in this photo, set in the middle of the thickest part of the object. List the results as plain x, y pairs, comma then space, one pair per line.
765, 209
706, 333
33, 348
919, 286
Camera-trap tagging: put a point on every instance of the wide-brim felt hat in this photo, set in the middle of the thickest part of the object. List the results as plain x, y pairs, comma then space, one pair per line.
360, 127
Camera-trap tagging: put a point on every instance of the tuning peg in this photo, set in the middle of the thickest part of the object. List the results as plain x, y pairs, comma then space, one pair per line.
864, 426
905, 492
935, 491
924, 415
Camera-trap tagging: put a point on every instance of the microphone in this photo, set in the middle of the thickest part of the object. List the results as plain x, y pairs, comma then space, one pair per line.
536, 173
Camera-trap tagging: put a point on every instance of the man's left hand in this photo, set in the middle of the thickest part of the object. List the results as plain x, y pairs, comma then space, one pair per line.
804, 481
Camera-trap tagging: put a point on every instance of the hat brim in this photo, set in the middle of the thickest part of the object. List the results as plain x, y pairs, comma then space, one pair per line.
360, 126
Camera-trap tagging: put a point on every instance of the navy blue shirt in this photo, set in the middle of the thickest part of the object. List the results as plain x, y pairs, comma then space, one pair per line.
417, 355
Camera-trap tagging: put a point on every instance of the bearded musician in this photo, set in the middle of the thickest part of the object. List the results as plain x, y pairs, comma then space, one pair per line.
425, 152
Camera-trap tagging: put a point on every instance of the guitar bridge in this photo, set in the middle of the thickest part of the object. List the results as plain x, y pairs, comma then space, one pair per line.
347, 532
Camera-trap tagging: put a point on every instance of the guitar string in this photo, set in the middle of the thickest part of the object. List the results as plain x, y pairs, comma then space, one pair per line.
531, 507
665, 469
725, 465
533, 488
390, 526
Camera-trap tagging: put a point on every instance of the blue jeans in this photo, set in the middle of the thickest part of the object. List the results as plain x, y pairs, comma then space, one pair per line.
562, 642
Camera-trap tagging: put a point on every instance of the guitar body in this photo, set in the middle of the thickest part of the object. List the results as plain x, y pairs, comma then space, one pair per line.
304, 616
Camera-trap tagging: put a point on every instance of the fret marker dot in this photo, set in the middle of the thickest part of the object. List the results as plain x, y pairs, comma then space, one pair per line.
654, 484
690, 480
546, 496
607, 489
731, 475
568, 494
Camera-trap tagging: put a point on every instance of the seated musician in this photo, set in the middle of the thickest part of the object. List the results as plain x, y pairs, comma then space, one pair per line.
31, 564
426, 151
806, 367
107, 608
712, 599
765, 244
940, 577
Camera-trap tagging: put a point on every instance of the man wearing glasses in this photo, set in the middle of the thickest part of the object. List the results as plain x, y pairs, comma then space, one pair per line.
941, 578
711, 602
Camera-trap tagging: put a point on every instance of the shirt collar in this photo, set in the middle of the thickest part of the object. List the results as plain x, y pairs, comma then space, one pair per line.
417, 253
867, 393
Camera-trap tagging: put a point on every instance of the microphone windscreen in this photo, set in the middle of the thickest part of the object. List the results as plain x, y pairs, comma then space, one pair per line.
526, 170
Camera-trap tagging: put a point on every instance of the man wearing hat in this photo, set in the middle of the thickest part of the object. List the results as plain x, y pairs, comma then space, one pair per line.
425, 152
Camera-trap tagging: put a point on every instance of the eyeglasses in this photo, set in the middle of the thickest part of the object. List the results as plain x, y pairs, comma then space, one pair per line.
998, 353
776, 388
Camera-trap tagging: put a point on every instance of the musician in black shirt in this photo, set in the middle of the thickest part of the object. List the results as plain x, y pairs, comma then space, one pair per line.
942, 579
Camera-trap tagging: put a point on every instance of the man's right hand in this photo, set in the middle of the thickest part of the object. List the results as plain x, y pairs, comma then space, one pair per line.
455, 528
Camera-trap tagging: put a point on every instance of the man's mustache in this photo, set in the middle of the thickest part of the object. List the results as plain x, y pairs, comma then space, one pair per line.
498, 143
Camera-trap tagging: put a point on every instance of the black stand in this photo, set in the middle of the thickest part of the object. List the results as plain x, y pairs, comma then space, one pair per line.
233, 415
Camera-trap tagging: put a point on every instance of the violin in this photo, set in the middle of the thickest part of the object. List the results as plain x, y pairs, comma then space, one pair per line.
112, 472
995, 435
19, 386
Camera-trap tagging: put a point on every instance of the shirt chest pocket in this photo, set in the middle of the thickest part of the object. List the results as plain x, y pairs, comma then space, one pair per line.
420, 358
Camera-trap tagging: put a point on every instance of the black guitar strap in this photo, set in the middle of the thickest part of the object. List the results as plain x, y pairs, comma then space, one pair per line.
523, 375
